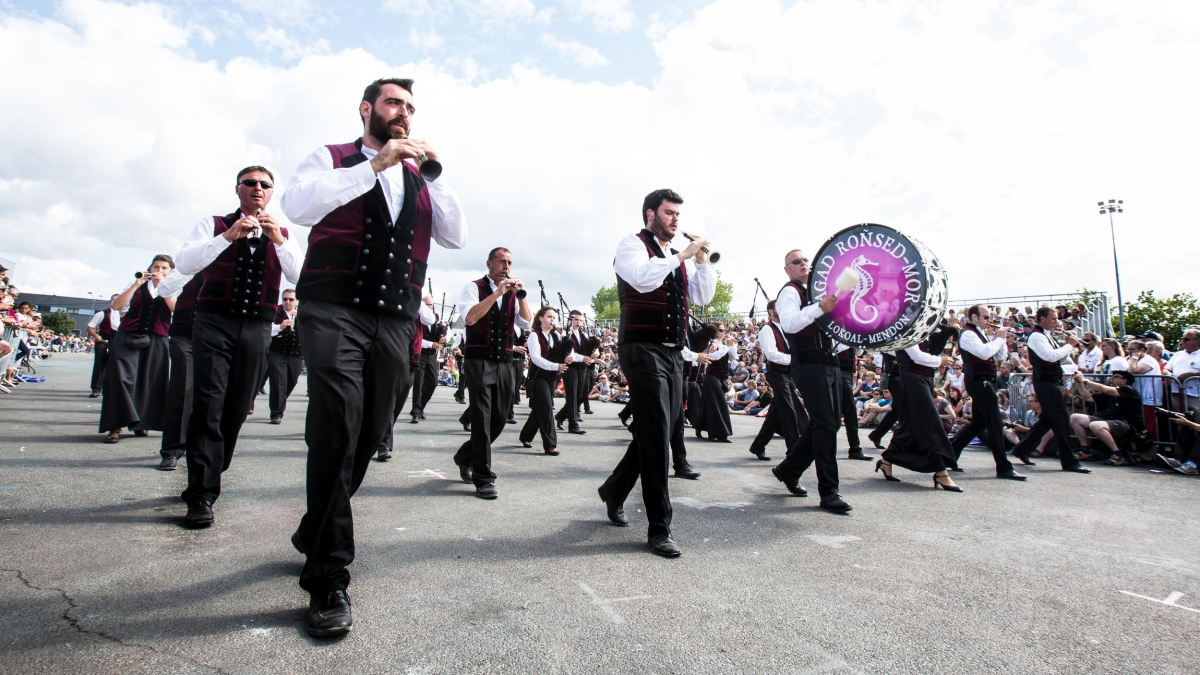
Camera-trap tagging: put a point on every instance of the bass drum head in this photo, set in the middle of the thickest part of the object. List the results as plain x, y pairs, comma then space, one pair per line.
901, 294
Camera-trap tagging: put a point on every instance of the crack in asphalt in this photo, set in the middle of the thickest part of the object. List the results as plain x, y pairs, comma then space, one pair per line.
79, 627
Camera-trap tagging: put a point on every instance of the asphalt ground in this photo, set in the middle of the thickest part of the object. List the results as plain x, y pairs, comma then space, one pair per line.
1062, 574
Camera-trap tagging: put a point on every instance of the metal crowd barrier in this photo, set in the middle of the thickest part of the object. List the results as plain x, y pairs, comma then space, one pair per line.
10, 336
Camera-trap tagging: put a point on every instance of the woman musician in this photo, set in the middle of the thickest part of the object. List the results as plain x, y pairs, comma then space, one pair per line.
549, 357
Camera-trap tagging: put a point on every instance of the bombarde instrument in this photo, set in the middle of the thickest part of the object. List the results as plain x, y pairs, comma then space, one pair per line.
714, 256
429, 169
521, 293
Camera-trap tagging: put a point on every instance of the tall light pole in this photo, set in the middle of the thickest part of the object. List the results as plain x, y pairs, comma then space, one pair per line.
1115, 206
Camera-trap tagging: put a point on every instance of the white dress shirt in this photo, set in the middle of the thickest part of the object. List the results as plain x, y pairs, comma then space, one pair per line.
427, 317
720, 350
114, 320
792, 318
276, 329
766, 338
985, 349
534, 347
1043, 346
201, 248
690, 356
1090, 359
470, 297
918, 355
173, 285
644, 274
316, 189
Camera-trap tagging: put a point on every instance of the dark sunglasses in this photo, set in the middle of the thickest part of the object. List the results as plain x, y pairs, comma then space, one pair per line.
250, 182
797, 261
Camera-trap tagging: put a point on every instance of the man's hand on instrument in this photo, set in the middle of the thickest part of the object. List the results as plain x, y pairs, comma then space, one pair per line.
827, 303
286, 323
519, 349
703, 359
507, 285
424, 147
562, 367
242, 227
693, 251
270, 228
569, 359
394, 152
947, 360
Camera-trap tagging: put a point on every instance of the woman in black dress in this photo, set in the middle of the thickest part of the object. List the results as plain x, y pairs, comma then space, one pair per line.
544, 371
920, 443
714, 416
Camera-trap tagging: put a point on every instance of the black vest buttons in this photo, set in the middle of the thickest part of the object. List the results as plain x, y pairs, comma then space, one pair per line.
356, 301
410, 247
363, 268
400, 307
387, 271
381, 303
383, 288
366, 251
358, 283
409, 261
243, 311
391, 255
368, 237
393, 240
367, 221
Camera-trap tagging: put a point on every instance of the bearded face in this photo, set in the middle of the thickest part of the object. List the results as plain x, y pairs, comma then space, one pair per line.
384, 130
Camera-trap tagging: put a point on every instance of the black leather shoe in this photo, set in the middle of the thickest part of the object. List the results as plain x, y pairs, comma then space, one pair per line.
1024, 459
835, 504
415, 420
761, 455
587, 412
1078, 468
1010, 475
857, 453
464, 471
421, 415
624, 421
467, 427
876, 440
94, 394
199, 515
142, 433
723, 439
616, 512
553, 452
486, 491
168, 463
460, 401
329, 614
664, 545
512, 420
577, 430
686, 471
276, 419
558, 425
298, 543
793, 486
383, 454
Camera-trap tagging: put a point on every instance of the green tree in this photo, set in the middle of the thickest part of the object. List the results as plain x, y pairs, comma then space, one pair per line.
605, 304
1166, 316
58, 322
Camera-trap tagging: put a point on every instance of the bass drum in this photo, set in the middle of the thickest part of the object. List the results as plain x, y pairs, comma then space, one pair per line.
901, 294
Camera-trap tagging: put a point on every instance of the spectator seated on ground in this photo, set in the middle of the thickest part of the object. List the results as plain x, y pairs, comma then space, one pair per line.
738, 375
762, 399
742, 398
862, 390
603, 391
879, 404
1118, 416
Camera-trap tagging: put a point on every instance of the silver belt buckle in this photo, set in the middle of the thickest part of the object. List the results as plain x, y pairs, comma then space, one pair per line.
670, 344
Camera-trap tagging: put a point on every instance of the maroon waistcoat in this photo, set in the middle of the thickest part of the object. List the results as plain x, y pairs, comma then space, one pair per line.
976, 369
534, 371
359, 258
240, 282
105, 329
908, 366
659, 316
810, 345
781, 344
146, 315
492, 336
1043, 371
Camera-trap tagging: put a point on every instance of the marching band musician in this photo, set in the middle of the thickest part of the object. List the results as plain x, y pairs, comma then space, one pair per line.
102, 328
714, 411
654, 289
818, 379
542, 378
373, 220
425, 317
424, 378
177, 409
136, 379
283, 356
1047, 359
518, 369
848, 363
980, 354
891, 369
492, 312
235, 307
575, 378
920, 442
786, 416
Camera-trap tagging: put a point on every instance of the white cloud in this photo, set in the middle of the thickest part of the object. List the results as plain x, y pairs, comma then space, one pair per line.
608, 15
425, 40
985, 131
275, 39
581, 54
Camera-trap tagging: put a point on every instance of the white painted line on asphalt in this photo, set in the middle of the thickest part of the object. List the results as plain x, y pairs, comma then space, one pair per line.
606, 605
697, 504
832, 542
833, 665
426, 473
1169, 601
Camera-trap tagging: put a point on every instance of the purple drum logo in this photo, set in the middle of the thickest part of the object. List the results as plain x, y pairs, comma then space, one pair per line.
880, 278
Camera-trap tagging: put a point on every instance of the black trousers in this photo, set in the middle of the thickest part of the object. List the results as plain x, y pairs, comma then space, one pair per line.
424, 379
490, 385
655, 377
541, 413
388, 442
589, 381
99, 363
695, 402
178, 408
1054, 418
358, 363
820, 387
135, 383
460, 395
518, 371
785, 417
228, 354
896, 391
572, 388
283, 372
850, 411
985, 417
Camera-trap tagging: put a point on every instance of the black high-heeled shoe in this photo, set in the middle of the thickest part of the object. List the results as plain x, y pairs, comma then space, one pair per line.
886, 473
948, 488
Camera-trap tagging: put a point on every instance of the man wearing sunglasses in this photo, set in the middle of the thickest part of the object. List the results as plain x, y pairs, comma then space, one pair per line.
818, 379
283, 356
242, 257
373, 219
1090, 355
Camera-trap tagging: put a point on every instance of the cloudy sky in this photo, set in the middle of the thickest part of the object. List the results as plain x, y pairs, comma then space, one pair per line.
986, 129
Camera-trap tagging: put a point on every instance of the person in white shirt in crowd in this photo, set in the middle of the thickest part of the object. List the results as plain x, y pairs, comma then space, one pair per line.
1185, 366
1090, 354
103, 328
1145, 362
373, 218
1112, 357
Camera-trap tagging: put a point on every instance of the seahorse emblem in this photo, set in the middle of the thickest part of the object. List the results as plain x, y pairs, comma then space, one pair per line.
865, 283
